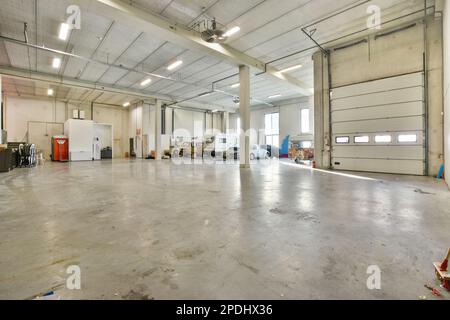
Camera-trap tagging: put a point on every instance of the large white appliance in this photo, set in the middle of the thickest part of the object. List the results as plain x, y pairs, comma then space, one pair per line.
81, 137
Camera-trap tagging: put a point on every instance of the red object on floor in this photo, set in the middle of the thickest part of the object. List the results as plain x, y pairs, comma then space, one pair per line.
60, 148
446, 284
444, 265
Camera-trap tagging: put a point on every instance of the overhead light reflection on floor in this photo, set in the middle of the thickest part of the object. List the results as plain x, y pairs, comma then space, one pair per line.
328, 171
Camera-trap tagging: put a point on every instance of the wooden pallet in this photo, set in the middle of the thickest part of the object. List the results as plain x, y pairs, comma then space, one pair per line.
443, 276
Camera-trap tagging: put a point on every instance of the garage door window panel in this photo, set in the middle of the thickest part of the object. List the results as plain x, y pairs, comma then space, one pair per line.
362, 139
342, 140
383, 138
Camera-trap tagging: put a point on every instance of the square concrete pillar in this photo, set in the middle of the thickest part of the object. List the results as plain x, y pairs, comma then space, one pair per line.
158, 150
244, 111
2, 111
226, 122
322, 139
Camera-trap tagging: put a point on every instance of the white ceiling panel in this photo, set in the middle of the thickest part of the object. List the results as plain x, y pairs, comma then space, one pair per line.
270, 30
129, 79
163, 56
13, 14
112, 75
20, 56
228, 12
154, 6
185, 11
4, 58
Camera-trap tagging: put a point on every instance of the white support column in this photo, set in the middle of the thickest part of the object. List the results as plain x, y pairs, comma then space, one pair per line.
2, 113
322, 137
226, 122
244, 110
158, 150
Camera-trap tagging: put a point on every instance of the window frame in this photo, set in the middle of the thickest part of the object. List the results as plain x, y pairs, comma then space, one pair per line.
302, 130
407, 134
383, 135
273, 133
361, 136
337, 137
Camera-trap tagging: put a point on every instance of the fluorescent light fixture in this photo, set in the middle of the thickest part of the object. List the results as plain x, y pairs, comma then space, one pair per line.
50, 92
64, 31
56, 63
146, 82
214, 111
291, 68
232, 31
126, 104
236, 85
174, 65
274, 96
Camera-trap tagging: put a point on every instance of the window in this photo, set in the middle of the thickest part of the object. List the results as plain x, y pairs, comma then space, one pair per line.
342, 140
272, 124
305, 128
383, 139
407, 138
306, 144
362, 139
238, 125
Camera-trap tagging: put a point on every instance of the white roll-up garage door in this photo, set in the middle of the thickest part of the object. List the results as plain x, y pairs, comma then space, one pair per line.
379, 126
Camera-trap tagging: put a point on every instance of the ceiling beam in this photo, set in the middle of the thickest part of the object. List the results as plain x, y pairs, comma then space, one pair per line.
16, 73
22, 74
153, 24
74, 101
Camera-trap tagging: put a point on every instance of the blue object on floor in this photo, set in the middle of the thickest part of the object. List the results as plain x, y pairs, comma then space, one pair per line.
441, 172
284, 147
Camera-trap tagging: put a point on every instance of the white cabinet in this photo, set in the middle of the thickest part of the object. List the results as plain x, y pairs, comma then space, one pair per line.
81, 137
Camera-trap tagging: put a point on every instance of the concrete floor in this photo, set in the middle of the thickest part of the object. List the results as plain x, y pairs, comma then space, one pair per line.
143, 230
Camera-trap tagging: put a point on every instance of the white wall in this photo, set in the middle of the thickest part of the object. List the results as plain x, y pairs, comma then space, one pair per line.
186, 123
136, 121
37, 116
136, 125
391, 55
118, 117
1, 106
447, 90
290, 120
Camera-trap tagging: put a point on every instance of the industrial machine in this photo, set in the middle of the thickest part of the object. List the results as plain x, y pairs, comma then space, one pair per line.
60, 148
3, 137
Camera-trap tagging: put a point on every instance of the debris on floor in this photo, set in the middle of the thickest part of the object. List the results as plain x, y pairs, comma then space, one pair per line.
48, 296
423, 192
442, 274
435, 291
422, 297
